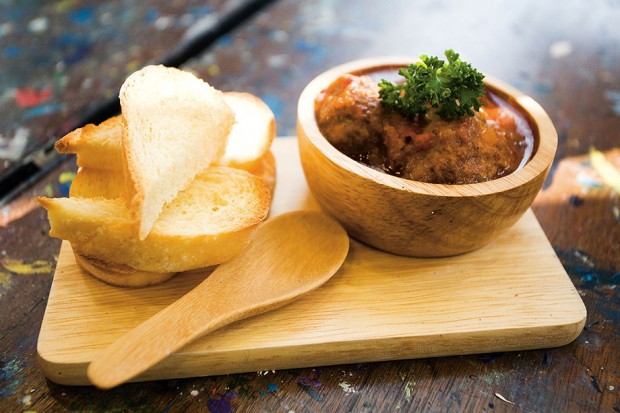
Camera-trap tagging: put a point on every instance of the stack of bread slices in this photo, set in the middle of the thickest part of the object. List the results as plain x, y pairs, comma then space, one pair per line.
178, 181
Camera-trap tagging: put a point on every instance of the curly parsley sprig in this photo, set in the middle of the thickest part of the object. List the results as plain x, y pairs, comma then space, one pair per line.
453, 87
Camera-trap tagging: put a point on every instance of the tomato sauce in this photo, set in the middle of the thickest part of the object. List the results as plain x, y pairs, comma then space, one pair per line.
494, 142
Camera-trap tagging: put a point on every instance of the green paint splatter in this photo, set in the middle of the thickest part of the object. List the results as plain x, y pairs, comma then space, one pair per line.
5, 280
66, 177
408, 392
347, 387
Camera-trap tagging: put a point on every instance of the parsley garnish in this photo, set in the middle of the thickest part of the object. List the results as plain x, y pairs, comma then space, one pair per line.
452, 87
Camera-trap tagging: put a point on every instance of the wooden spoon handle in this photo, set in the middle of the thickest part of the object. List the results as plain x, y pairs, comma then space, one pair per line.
159, 336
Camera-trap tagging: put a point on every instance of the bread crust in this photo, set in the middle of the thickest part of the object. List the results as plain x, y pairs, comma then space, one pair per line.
119, 275
96, 146
93, 183
101, 228
110, 184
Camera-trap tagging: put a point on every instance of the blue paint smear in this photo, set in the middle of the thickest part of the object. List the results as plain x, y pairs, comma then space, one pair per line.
303, 46
272, 388
9, 383
66, 40
151, 15
581, 267
614, 96
12, 51
590, 280
310, 386
73, 48
82, 16
63, 189
41, 110
225, 40
14, 13
311, 392
78, 54
542, 89
200, 10
316, 52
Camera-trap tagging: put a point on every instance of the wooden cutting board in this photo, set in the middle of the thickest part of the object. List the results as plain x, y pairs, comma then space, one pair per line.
511, 295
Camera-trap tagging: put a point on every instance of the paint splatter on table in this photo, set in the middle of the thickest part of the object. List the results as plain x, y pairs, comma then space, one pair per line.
61, 60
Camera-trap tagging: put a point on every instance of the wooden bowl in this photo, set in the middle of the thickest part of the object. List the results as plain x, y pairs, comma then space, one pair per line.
413, 218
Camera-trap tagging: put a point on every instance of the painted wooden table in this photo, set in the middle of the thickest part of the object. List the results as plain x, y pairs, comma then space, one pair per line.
63, 62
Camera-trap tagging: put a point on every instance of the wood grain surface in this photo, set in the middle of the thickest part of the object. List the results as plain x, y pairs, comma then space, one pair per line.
511, 295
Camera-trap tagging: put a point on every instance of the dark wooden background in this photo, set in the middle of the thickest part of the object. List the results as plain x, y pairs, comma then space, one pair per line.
63, 62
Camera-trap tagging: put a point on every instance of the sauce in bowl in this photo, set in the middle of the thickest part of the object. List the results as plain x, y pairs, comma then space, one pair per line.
493, 143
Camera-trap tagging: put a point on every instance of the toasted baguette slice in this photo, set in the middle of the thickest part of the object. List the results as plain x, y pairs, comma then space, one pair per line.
175, 125
92, 183
96, 146
206, 224
252, 134
118, 274
99, 146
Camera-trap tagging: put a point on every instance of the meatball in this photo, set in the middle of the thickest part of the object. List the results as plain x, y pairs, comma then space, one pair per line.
425, 147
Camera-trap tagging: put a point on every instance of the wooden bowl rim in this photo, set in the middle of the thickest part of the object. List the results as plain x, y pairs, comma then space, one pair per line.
541, 160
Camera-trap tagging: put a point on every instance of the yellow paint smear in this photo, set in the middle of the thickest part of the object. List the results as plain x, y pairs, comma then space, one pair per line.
64, 6
607, 171
22, 268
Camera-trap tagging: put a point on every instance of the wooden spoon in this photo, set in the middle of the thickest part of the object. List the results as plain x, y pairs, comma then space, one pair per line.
289, 255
